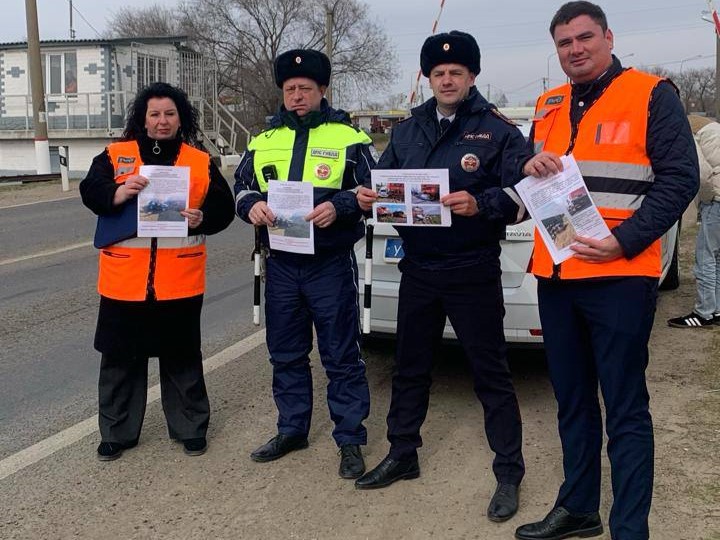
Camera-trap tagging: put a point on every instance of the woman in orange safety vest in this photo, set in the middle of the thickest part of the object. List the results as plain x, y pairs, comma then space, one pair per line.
151, 289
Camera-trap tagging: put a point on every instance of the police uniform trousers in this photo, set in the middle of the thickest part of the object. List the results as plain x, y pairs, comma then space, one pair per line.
597, 331
473, 302
319, 290
127, 334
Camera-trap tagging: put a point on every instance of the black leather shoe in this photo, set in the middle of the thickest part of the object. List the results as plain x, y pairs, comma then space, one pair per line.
110, 451
195, 447
352, 464
388, 471
559, 524
504, 503
278, 446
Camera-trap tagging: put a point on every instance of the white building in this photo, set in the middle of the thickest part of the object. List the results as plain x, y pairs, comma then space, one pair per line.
88, 85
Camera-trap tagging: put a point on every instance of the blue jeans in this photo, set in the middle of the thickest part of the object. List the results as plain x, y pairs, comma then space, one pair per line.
707, 261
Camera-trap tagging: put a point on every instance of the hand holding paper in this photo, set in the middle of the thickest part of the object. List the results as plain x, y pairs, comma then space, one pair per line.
543, 165
366, 197
565, 215
133, 185
323, 215
597, 251
460, 203
260, 214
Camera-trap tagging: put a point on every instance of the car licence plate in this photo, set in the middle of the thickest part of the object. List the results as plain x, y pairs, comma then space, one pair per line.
393, 250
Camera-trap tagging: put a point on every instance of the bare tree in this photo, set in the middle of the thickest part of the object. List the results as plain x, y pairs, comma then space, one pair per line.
656, 70
396, 101
696, 87
153, 20
704, 98
244, 37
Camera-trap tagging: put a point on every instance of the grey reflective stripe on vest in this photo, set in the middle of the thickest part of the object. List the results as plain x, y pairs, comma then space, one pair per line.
619, 201
610, 169
164, 243
619, 174
538, 146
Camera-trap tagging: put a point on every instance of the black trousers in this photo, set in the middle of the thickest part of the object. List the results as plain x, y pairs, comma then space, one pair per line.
596, 336
123, 395
474, 305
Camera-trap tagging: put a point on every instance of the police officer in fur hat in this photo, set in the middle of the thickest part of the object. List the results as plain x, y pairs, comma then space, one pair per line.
454, 272
308, 141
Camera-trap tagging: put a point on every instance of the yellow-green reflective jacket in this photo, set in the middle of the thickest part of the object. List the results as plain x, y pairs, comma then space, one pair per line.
334, 156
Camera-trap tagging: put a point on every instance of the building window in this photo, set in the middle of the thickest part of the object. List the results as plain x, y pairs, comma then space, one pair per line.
150, 69
60, 73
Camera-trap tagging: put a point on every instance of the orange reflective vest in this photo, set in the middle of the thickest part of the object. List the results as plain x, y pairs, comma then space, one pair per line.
610, 149
160, 268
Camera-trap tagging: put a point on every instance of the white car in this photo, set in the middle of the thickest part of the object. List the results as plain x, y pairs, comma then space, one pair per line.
522, 321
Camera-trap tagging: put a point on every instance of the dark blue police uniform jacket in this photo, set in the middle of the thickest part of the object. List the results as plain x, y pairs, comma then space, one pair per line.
481, 149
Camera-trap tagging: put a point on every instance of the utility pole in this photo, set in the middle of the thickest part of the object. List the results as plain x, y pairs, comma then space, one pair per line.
712, 17
72, 30
42, 147
328, 46
717, 77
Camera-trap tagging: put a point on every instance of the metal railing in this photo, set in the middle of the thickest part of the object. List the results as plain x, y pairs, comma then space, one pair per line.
107, 111
86, 110
216, 121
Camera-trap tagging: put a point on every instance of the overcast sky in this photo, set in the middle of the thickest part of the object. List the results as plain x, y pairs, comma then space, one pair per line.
516, 48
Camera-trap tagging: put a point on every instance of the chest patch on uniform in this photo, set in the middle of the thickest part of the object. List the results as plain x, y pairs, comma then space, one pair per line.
470, 163
324, 153
125, 159
554, 100
483, 136
126, 169
322, 171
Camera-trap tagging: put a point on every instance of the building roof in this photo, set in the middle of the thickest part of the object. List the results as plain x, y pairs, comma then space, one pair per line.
65, 43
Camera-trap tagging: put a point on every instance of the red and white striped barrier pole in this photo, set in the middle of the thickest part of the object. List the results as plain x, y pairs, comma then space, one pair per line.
414, 93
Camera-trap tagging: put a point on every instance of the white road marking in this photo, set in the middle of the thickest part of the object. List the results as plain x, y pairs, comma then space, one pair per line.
37, 202
46, 253
45, 448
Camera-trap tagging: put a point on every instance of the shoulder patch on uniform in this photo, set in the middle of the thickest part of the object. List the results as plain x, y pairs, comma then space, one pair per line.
554, 100
504, 118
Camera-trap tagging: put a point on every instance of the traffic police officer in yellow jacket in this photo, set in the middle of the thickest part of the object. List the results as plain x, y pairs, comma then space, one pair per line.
631, 139
308, 141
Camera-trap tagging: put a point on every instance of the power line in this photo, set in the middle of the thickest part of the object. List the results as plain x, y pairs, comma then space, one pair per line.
700, 57
545, 21
76, 10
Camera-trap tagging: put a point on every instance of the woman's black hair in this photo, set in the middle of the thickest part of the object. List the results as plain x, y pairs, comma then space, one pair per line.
135, 126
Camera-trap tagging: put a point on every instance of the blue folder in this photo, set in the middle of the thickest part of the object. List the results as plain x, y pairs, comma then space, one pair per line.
113, 228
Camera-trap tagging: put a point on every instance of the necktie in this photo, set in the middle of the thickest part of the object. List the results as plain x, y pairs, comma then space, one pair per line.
444, 125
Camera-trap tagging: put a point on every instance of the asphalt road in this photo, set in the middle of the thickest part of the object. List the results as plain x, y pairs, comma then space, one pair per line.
48, 309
